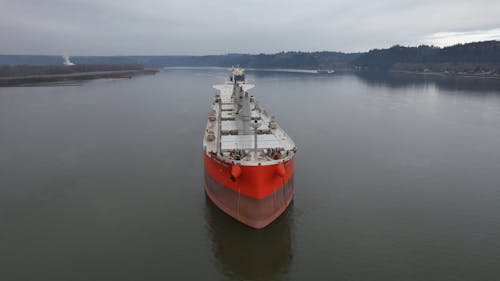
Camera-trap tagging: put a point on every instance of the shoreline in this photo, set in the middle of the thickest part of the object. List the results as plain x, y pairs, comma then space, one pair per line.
17, 81
447, 75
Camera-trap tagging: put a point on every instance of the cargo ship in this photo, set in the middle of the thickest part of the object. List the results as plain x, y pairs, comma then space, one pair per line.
248, 158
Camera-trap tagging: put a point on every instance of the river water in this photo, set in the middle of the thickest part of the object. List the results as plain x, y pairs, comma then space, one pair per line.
397, 178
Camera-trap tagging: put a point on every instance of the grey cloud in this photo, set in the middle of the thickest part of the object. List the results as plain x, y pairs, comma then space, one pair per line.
110, 27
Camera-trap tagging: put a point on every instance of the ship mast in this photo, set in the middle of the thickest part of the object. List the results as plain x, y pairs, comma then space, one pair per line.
241, 103
219, 128
255, 126
245, 114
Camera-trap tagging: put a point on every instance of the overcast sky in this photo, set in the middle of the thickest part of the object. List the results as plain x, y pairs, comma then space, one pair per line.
165, 27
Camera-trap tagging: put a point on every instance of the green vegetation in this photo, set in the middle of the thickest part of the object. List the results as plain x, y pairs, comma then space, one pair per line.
477, 59
305, 60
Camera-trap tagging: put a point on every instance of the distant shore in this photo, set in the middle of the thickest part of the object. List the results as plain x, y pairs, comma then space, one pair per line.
448, 74
30, 75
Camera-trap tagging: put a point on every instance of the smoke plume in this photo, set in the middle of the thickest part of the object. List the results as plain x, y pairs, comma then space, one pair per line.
67, 61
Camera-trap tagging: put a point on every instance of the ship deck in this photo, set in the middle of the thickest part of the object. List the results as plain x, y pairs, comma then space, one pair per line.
224, 137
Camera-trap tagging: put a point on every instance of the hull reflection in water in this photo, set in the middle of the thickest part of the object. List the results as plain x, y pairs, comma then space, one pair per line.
244, 253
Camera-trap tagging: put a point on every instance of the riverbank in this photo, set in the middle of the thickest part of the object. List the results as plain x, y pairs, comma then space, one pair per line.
30, 75
449, 74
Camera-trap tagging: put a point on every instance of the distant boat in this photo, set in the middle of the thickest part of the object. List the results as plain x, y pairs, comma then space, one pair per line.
325, 71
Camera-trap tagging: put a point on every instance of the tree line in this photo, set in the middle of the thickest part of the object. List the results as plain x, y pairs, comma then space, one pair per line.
472, 55
476, 54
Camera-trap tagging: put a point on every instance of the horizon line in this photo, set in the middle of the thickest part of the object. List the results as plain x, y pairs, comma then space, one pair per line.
251, 54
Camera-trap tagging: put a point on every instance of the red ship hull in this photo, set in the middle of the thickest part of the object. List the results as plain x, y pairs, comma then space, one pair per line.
253, 195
